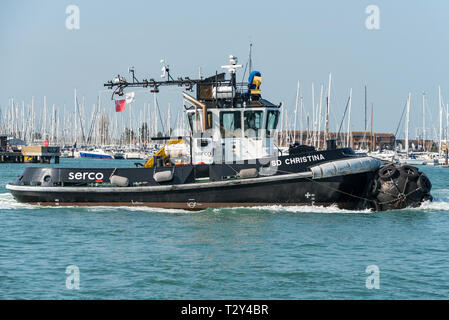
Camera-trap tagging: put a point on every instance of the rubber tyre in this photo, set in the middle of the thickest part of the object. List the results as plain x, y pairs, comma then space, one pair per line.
410, 171
374, 188
387, 172
424, 184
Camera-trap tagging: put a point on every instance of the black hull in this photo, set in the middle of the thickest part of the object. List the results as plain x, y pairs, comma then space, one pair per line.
331, 177
343, 191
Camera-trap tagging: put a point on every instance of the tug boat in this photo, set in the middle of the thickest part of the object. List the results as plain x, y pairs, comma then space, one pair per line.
229, 158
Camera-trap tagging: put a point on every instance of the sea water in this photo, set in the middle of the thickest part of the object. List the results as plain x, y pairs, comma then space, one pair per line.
270, 252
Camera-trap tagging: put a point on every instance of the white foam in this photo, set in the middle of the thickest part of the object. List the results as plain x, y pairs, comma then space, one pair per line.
7, 201
438, 205
133, 208
299, 209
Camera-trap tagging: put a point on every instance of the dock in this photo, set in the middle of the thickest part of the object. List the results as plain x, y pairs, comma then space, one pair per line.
31, 154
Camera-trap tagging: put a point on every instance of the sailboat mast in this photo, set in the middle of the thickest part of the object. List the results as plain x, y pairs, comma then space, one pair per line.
296, 112
155, 114
349, 119
313, 116
407, 118
372, 136
440, 108
75, 118
423, 122
320, 116
32, 119
44, 125
328, 106
169, 120
447, 122
300, 120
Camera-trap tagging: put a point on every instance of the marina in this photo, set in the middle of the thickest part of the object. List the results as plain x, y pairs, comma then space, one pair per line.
201, 152
222, 163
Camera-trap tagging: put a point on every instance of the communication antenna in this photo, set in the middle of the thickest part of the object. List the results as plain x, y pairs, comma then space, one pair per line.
165, 70
131, 70
232, 67
250, 58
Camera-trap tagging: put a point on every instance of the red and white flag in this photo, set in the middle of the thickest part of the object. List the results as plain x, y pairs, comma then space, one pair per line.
120, 105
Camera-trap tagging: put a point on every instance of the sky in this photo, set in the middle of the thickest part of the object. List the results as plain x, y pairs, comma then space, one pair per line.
292, 40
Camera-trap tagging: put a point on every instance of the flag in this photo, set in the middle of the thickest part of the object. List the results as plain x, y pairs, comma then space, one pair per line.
120, 105
129, 97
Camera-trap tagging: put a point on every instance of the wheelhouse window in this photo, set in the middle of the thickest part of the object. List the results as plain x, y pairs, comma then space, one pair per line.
230, 124
272, 122
252, 123
195, 121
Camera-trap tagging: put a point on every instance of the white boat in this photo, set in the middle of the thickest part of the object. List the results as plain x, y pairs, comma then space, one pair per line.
95, 154
136, 155
384, 155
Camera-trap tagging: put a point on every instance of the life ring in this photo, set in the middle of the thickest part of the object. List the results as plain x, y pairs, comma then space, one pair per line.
387, 172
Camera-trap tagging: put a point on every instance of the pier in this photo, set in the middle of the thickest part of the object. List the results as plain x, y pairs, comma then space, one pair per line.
40, 154
31, 154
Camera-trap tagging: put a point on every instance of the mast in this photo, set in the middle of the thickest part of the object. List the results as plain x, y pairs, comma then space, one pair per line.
32, 119
300, 120
364, 132
406, 124
155, 114
372, 136
349, 119
328, 106
423, 122
130, 126
169, 120
75, 131
447, 122
296, 112
313, 116
53, 119
150, 126
282, 127
308, 128
319, 118
441, 119
44, 125
365, 107
22, 134
250, 58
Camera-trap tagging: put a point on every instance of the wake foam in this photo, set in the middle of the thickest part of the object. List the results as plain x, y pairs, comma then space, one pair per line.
8, 202
297, 209
132, 208
436, 205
